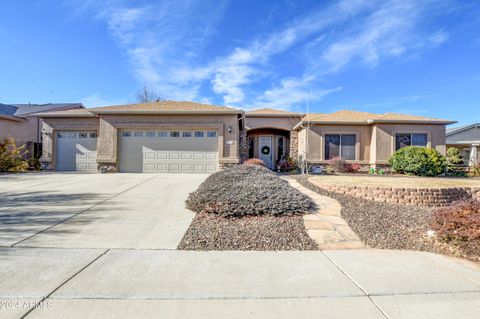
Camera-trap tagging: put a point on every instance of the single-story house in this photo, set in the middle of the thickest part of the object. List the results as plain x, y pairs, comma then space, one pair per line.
170, 136
19, 121
467, 139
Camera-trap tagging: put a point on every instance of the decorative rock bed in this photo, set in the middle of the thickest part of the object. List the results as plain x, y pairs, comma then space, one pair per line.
427, 197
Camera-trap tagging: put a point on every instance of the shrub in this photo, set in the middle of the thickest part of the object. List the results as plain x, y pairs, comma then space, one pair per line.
12, 158
287, 165
459, 222
355, 168
339, 165
474, 171
247, 190
420, 161
254, 161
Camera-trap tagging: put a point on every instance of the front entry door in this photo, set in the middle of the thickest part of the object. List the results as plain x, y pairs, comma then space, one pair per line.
265, 150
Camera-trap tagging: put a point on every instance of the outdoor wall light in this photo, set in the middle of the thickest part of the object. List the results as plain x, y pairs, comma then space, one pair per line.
229, 129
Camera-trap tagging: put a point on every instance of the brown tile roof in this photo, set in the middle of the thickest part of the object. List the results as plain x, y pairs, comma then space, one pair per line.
271, 112
165, 107
354, 117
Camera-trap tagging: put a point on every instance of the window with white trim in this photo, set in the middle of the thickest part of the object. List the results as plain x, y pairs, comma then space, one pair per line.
340, 145
72, 135
212, 134
410, 139
174, 134
126, 134
199, 134
93, 135
60, 135
163, 134
150, 134
138, 134
82, 135
187, 134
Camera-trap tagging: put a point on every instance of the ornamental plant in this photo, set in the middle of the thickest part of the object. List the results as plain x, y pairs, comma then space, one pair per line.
254, 161
12, 157
418, 161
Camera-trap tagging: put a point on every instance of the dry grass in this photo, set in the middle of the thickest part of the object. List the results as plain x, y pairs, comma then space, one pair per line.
397, 181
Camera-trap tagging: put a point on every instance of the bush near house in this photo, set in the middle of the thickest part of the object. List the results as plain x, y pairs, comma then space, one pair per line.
339, 165
459, 222
254, 161
419, 161
287, 164
247, 190
12, 157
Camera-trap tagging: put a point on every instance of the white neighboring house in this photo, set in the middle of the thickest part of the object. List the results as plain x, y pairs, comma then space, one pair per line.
467, 140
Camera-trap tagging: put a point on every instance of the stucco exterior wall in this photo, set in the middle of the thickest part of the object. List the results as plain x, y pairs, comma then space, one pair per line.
314, 149
385, 138
23, 131
284, 123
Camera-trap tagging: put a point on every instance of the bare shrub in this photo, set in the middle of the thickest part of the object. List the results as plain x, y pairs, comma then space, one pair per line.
254, 161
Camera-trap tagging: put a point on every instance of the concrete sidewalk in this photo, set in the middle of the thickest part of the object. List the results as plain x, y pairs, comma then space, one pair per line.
119, 283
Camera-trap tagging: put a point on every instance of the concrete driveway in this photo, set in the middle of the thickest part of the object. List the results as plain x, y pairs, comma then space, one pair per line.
103, 246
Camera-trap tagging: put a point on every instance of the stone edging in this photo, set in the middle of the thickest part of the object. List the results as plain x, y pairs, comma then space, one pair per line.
428, 197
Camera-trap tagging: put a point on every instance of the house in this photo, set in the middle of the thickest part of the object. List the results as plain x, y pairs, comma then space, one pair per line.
467, 139
19, 121
187, 137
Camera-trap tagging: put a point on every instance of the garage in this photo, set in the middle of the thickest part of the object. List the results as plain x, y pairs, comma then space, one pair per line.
168, 151
76, 151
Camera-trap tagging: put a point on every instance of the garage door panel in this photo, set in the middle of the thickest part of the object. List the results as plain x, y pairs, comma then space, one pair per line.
167, 153
76, 151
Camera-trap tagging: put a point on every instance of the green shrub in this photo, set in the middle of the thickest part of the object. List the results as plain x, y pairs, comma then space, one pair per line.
247, 190
419, 161
12, 158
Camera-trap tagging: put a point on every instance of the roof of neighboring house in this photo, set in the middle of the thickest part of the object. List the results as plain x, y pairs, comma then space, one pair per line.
7, 111
19, 111
453, 130
355, 117
165, 107
272, 112
67, 113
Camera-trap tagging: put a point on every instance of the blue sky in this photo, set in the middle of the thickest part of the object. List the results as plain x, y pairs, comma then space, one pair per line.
419, 57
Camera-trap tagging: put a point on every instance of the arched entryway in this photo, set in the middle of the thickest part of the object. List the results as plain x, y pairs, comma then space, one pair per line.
268, 144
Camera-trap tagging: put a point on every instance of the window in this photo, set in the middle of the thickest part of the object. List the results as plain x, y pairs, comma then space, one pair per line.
60, 135
174, 134
82, 135
126, 133
93, 135
251, 147
410, 139
162, 134
280, 148
199, 134
186, 134
212, 134
72, 135
150, 134
138, 134
339, 145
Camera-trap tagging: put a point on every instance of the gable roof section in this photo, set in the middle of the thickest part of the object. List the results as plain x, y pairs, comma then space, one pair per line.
272, 113
458, 129
67, 113
359, 118
30, 109
166, 107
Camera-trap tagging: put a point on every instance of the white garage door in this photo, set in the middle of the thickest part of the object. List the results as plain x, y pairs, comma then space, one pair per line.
76, 151
169, 151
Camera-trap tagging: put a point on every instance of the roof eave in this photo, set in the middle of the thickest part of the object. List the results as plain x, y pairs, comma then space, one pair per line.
461, 129
439, 122
274, 115
52, 115
136, 112
11, 118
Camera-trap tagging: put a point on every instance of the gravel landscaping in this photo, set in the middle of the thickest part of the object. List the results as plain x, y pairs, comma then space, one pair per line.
392, 226
247, 207
214, 232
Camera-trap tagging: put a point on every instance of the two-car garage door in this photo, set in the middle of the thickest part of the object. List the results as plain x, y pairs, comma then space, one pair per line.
169, 151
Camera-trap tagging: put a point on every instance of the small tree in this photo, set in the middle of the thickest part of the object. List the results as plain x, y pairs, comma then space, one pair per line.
12, 158
454, 158
147, 95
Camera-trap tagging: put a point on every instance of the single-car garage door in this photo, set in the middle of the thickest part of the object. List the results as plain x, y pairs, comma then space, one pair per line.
169, 151
76, 151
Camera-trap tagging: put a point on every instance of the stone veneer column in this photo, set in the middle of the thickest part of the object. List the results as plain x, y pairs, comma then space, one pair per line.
243, 146
107, 147
294, 144
473, 160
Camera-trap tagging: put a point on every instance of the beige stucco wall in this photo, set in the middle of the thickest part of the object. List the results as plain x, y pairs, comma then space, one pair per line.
314, 149
284, 123
109, 126
23, 131
385, 138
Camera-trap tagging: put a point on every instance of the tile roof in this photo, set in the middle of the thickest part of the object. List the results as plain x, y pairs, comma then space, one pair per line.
165, 107
346, 116
271, 112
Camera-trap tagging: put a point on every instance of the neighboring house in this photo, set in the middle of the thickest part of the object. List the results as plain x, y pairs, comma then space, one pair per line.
19, 121
189, 137
467, 140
